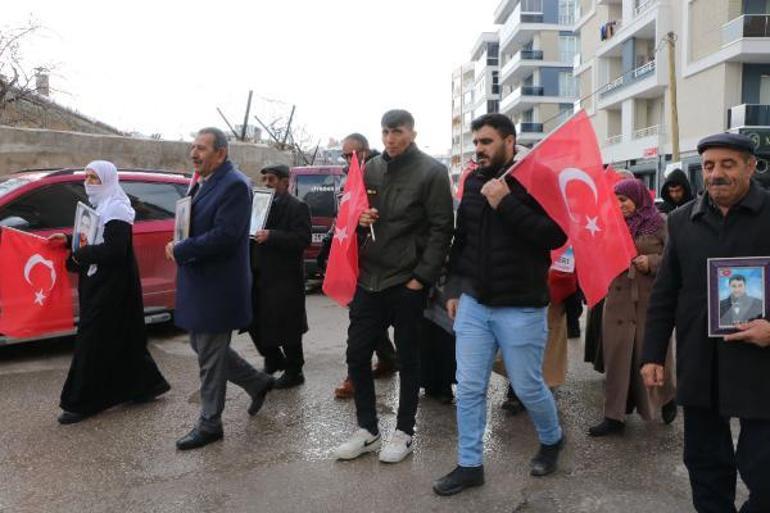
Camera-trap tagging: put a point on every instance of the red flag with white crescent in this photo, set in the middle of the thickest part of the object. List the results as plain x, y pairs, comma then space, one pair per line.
35, 292
564, 173
342, 270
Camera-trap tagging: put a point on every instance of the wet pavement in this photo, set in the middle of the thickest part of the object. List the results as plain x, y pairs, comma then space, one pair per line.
280, 461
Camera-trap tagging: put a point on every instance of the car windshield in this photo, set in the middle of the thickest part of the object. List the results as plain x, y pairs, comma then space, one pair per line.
318, 191
9, 185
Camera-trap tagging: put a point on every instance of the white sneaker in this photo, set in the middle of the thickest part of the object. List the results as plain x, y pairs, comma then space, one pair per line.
397, 448
361, 442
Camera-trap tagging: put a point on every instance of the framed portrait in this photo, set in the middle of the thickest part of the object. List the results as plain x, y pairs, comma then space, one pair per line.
86, 226
737, 292
260, 209
182, 218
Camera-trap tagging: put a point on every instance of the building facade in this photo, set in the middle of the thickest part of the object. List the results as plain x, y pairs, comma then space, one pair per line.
722, 62
537, 52
463, 84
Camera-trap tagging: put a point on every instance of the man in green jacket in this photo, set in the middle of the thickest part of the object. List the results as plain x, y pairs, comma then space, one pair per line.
406, 234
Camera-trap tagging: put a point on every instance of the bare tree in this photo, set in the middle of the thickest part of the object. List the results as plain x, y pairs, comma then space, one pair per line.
16, 81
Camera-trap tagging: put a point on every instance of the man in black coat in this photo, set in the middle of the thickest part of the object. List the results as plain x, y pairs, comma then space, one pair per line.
278, 291
676, 191
739, 307
717, 378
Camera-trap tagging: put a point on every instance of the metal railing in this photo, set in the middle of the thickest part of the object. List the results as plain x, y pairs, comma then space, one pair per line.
532, 55
748, 115
747, 25
628, 77
615, 139
648, 131
531, 6
643, 5
532, 90
528, 127
644, 69
567, 19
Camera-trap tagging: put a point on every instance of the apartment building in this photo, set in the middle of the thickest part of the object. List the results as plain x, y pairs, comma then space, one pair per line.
722, 71
463, 85
537, 52
475, 91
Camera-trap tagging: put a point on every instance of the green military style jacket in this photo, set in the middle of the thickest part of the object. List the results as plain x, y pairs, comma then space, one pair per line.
412, 195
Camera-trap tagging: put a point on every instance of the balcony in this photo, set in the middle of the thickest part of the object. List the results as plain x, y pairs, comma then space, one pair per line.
612, 140
650, 131
520, 64
528, 132
525, 19
748, 25
628, 78
643, 5
748, 115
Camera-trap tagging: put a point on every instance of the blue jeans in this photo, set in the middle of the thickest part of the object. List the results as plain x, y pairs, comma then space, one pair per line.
520, 334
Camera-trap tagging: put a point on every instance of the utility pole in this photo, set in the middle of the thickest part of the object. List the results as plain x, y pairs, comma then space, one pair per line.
671, 40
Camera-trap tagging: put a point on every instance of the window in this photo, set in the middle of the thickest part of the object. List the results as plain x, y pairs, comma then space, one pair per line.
319, 192
567, 48
153, 200
764, 90
52, 206
566, 84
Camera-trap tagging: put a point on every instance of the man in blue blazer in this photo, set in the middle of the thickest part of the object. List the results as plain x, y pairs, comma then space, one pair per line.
213, 295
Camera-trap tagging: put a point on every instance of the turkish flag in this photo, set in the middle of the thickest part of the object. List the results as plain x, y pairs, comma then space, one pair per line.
470, 168
35, 293
342, 270
564, 173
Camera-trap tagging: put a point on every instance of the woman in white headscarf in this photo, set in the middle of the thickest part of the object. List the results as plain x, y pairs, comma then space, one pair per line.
111, 364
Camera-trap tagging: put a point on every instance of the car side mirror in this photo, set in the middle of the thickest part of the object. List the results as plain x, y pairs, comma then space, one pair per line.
16, 222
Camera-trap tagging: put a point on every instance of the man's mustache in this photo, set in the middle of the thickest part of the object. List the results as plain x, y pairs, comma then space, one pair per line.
719, 181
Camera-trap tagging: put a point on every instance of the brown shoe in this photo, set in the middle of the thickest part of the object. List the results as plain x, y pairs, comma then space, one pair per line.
383, 369
345, 390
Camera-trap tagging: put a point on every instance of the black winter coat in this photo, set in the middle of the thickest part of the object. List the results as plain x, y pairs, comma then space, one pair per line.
279, 273
502, 256
677, 177
732, 378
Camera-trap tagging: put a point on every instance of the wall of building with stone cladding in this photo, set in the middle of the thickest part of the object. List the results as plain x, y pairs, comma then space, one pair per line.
23, 148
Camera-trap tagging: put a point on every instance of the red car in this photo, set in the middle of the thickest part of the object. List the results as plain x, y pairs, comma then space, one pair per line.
43, 202
317, 186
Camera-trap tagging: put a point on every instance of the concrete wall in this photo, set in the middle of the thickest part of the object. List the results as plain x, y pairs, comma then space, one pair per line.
22, 148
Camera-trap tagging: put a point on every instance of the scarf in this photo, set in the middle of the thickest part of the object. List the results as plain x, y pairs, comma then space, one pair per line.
646, 219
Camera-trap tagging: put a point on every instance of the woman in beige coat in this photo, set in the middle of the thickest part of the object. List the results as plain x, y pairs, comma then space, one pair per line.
625, 310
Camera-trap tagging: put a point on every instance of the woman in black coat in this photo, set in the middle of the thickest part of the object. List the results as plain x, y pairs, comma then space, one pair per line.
111, 364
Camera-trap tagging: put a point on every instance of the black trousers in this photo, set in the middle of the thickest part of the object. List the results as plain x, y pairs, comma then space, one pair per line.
713, 464
370, 315
288, 355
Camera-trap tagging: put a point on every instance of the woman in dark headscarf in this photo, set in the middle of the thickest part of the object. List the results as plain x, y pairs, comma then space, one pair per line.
624, 315
111, 364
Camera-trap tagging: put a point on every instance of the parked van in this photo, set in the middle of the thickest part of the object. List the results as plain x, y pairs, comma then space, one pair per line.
318, 186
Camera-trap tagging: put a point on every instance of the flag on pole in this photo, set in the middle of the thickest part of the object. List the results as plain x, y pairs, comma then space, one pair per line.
564, 173
342, 270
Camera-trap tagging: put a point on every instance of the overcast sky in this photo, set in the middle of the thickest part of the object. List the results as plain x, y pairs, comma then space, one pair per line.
164, 66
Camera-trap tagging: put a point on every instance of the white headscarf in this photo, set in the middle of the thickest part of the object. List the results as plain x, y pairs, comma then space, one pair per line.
108, 197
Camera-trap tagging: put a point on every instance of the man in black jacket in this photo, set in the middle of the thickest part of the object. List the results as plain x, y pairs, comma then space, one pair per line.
717, 378
357, 144
676, 191
278, 292
498, 267
411, 217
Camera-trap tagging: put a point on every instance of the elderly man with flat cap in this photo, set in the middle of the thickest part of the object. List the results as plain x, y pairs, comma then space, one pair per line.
718, 378
278, 292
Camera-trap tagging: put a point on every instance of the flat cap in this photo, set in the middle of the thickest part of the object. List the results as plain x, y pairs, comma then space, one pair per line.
727, 140
279, 170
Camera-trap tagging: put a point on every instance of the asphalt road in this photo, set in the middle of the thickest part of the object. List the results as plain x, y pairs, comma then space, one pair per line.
124, 460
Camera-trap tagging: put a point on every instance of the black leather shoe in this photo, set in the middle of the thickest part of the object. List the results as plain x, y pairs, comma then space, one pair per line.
196, 438
289, 380
607, 427
668, 412
546, 459
69, 417
459, 479
258, 399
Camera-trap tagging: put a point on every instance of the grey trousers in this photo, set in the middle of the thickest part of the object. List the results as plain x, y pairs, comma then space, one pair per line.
219, 364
